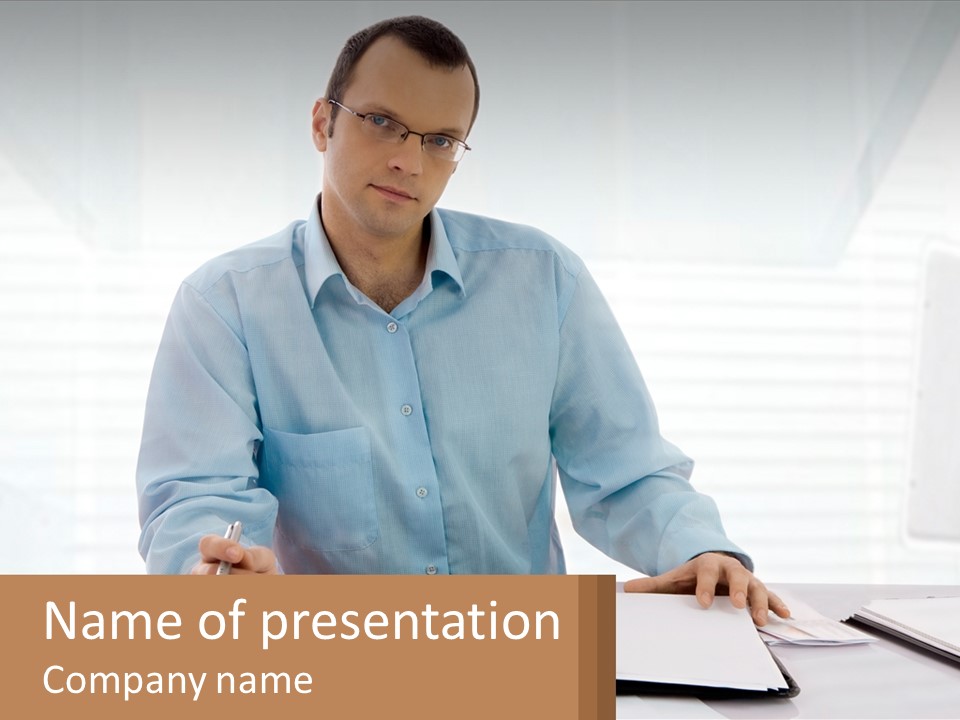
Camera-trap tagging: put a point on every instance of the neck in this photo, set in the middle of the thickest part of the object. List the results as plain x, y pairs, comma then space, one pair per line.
385, 269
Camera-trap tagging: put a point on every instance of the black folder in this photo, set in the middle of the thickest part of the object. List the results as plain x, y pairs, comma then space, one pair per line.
873, 627
639, 687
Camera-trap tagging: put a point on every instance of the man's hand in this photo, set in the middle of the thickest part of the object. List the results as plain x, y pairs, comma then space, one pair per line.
256, 560
712, 573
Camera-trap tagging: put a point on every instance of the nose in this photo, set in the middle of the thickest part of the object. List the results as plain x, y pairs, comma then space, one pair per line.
407, 156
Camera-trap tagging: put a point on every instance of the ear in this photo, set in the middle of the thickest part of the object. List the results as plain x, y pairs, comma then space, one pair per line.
320, 123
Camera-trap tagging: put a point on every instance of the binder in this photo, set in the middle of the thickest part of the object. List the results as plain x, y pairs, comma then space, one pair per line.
705, 692
932, 623
669, 645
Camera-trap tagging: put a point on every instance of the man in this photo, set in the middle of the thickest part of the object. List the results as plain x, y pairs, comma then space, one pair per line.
386, 387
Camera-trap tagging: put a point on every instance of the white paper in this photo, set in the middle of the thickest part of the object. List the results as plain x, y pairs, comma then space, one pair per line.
671, 639
809, 627
935, 620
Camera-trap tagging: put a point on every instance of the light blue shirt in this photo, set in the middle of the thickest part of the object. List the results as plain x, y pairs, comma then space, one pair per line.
352, 440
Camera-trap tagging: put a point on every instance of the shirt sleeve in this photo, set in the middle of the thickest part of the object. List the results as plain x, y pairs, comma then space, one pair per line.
197, 470
628, 489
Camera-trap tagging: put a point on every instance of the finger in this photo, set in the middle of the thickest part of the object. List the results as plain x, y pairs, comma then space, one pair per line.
777, 605
214, 548
708, 574
211, 568
257, 559
759, 603
739, 585
655, 584
205, 568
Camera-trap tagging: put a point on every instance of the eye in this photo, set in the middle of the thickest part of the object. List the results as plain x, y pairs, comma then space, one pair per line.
441, 142
378, 120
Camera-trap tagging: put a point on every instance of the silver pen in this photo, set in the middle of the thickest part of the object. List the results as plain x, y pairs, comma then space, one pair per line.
234, 530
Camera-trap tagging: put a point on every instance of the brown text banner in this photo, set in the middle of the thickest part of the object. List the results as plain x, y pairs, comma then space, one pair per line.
308, 646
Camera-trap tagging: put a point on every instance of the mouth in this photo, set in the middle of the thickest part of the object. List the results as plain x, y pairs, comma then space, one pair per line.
392, 193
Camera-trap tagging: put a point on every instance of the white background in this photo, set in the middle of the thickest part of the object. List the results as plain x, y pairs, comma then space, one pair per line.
752, 184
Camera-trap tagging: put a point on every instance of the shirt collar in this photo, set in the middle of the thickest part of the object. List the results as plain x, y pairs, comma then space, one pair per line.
320, 263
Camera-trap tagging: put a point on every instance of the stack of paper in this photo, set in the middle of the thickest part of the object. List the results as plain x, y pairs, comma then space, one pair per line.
670, 639
808, 627
932, 623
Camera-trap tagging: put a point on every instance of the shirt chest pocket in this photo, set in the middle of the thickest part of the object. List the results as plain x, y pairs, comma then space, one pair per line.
323, 483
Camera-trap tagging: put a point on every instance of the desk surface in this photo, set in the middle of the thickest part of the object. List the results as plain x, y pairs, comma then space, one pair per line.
887, 679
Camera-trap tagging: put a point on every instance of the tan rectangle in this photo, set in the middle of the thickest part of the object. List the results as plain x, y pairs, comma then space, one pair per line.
472, 677
604, 624
597, 647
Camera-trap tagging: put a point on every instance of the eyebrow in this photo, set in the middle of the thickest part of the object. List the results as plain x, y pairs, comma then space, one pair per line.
455, 133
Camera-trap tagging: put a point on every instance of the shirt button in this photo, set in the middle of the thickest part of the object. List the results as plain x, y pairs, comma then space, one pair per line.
392, 327
421, 492
406, 409
431, 569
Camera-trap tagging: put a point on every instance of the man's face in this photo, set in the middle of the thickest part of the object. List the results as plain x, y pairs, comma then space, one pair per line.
379, 189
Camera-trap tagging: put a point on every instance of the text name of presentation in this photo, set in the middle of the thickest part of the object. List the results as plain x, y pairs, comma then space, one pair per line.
275, 625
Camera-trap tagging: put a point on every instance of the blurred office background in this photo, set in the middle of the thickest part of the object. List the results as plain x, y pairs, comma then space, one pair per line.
754, 185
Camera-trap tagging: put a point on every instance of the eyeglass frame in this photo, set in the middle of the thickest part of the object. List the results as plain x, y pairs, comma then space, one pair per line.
407, 132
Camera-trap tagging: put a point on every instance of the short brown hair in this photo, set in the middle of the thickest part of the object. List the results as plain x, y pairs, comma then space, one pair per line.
433, 41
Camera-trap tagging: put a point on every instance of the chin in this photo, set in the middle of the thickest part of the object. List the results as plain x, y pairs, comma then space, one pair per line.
392, 226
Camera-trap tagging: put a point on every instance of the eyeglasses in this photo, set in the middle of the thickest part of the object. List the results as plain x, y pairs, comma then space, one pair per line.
388, 130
